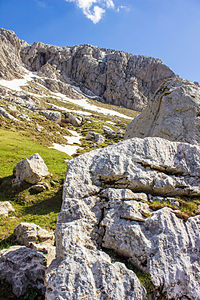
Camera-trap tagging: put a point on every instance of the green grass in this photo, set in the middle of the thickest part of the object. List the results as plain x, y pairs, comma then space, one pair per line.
41, 208
14, 147
188, 207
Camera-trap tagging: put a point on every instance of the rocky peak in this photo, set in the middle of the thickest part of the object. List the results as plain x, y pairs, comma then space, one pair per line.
118, 77
115, 76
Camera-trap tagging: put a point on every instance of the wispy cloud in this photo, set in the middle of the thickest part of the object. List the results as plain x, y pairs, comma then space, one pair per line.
123, 7
41, 3
95, 9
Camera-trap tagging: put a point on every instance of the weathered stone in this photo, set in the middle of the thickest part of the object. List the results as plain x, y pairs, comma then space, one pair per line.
41, 187
28, 233
21, 266
5, 208
163, 245
109, 131
96, 137
36, 238
173, 113
150, 165
95, 217
123, 194
51, 115
30, 170
75, 121
130, 210
90, 274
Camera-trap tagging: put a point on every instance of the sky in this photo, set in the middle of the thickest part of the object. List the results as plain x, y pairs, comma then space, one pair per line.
164, 29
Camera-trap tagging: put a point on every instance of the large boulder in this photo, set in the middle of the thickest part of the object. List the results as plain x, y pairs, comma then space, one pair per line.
30, 170
105, 207
37, 238
22, 267
173, 113
28, 233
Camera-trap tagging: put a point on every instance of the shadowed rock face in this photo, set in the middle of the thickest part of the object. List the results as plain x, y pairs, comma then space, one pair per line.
103, 207
173, 113
115, 76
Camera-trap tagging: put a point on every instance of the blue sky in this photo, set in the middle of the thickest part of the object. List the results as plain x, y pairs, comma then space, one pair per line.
165, 29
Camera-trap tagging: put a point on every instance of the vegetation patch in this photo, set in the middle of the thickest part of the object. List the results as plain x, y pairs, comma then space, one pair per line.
40, 208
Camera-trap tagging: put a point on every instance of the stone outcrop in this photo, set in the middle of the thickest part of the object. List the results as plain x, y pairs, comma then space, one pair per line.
30, 170
173, 113
115, 76
21, 267
10, 61
54, 116
5, 114
105, 207
6, 208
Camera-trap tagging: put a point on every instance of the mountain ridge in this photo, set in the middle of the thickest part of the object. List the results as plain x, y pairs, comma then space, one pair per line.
116, 77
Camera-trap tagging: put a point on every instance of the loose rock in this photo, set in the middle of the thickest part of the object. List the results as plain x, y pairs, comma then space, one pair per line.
96, 137
5, 208
30, 170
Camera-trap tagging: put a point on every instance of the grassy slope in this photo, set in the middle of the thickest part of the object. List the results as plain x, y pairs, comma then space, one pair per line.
41, 208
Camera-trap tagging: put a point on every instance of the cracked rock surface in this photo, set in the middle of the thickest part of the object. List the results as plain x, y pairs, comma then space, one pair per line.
105, 207
21, 266
173, 114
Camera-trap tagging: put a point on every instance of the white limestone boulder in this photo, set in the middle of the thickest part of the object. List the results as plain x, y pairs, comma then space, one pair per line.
30, 170
105, 207
6, 208
173, 114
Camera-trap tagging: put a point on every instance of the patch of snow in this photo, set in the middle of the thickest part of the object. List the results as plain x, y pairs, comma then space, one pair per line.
78, 112
16, 84
74, 139
68, 149
112, 123
86, 105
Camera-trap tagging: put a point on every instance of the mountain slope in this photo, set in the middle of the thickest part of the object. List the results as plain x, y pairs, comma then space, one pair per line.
115, 76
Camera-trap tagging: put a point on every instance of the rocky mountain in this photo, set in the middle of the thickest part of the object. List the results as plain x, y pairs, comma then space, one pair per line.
128, 208
116, 77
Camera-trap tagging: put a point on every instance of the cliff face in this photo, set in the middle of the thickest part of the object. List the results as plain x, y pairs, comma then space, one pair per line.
117, 77
10, 60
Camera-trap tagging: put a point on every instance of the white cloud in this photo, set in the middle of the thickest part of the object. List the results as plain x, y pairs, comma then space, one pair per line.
126, 8
93, 9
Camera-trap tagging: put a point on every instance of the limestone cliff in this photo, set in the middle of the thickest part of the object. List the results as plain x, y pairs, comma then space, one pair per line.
115, 76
